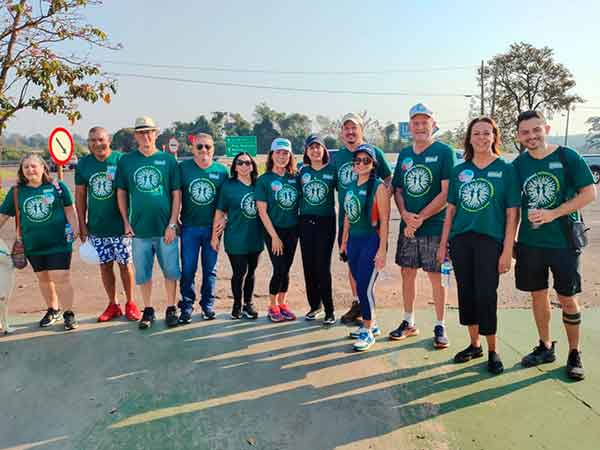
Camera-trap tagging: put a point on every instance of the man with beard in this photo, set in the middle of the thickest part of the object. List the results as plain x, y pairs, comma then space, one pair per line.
556, 184
352, 134
101, 223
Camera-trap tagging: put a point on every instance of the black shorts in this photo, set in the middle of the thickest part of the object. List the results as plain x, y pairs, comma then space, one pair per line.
54, 261
534, 263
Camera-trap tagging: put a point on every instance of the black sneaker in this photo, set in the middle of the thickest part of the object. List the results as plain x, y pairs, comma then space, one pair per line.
539, 355
494, 364
171, 318
51, 316
468, 354
314, 314
208, 314
70, 320
329, 320
403, 331
440, 340
185, 316
353, 316
147, 318
574, 366
236, 312
249, 312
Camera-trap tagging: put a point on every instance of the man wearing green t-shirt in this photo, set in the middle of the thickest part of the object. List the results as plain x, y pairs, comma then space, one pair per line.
556, 184
420, 190
100, 221
201, 181
352, 134
149, 198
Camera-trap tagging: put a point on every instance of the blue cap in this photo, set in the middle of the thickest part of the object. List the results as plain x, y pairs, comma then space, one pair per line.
312, 139
281, 144
368, 149
420, 108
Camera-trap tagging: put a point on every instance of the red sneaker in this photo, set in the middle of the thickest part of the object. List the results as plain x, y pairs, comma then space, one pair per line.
275, 315
286, 312
132, 312
113, 310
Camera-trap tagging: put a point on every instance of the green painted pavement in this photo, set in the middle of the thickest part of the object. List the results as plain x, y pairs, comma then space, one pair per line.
242, 385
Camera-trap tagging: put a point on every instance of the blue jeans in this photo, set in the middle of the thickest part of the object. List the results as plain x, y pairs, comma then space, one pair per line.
194, 240
144, 249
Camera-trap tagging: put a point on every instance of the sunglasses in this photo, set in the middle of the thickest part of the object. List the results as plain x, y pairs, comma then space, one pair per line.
243, 162
358, 160
201, 146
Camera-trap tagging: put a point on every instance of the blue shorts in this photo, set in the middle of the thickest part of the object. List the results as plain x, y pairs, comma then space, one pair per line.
114, 248
144, 250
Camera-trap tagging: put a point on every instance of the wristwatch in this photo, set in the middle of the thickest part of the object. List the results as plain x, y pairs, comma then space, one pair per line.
173, 226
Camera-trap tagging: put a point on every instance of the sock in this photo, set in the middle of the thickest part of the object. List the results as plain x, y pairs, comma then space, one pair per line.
410, 318
439, 322
356, 299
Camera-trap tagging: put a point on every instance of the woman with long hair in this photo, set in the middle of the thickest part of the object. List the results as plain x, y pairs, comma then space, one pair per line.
317, 227
277, 192
243, 232
364, 239
480, 225
48, 227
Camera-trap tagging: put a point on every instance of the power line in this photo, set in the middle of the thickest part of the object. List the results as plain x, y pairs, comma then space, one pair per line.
286, 89
287, 72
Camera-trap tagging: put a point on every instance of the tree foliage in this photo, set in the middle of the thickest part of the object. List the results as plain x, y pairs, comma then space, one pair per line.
37, 70
525, 78
593, 136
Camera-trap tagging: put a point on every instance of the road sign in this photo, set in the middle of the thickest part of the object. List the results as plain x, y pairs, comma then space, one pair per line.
403, 130
61, 146
173, 145
238, 144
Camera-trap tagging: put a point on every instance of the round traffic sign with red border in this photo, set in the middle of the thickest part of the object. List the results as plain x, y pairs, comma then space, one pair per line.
61, 145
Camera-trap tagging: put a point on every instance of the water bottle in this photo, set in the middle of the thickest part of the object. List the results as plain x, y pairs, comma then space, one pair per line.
69, 235
446, 269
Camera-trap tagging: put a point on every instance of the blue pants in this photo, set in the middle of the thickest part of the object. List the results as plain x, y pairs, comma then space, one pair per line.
361, 252
193, 241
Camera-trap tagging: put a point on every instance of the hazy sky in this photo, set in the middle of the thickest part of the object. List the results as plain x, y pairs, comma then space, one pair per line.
332, 36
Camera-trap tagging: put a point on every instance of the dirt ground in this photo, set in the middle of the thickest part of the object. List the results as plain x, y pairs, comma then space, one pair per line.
90, 296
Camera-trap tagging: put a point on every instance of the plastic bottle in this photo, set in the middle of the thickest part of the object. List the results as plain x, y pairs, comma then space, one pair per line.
446, 270
69, 235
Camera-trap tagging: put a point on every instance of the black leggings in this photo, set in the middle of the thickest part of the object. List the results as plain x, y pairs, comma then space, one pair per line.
317, 234
243, 275
282, 263
475, 259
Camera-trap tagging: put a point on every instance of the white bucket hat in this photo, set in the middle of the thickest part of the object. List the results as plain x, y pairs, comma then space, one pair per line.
144, 123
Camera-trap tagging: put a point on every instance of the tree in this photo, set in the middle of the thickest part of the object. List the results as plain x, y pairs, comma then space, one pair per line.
295, 127
123, 140
37, 71
388, 134
266, 126
525, 78
593, 135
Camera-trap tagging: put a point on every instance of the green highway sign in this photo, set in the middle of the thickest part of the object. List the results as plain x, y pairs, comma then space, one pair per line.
238, 144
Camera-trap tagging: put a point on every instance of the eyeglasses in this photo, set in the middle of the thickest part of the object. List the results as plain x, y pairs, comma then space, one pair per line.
201, 146
243, 162
358, 160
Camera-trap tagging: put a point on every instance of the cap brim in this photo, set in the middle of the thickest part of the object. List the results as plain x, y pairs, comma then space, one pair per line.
145, 128
421, 114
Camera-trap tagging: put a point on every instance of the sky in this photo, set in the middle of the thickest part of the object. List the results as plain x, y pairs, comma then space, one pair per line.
411, 41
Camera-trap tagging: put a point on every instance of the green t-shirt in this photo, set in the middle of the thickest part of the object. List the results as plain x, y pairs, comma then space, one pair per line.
103, 218
355, 203
200, 191
282, 197
243, 232
482, 196
544, 186
318, 188
420, 178
149, 181
342, 161
42, 216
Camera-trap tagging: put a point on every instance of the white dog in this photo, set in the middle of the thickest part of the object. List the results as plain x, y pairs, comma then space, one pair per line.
7, 283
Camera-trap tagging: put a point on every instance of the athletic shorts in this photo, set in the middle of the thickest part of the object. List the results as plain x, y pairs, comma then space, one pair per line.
419, 252
54, 261
534, 264
115, 248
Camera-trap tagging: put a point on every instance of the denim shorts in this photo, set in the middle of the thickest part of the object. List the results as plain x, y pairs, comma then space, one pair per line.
144, 250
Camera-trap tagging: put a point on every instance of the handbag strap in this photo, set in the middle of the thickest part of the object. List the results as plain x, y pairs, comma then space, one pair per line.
17, 211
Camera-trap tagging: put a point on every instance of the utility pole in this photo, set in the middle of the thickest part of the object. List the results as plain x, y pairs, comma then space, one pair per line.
482, 83
493, 111
567, 128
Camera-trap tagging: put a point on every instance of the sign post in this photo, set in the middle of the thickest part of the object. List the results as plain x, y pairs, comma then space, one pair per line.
239, 144
61, 147
404, 131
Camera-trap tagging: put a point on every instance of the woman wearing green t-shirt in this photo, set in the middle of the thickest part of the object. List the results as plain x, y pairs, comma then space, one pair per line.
45, 209
277, 192
243, 232
480, 224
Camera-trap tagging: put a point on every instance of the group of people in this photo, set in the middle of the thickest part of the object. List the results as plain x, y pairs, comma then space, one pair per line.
135, 206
